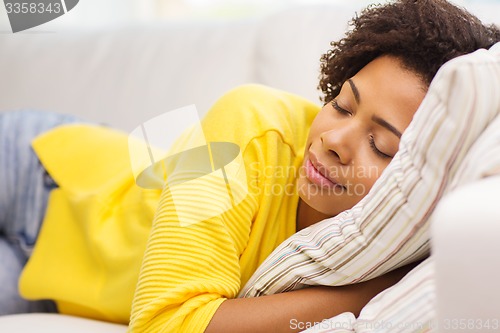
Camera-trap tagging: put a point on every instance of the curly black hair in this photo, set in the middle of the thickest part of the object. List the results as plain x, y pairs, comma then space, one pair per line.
422, 34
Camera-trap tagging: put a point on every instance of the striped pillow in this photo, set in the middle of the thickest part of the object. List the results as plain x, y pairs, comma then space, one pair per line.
390, 226
408, 306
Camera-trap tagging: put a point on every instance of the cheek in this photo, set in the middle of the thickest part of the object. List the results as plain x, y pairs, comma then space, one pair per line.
319, 124
368, 181
368, 174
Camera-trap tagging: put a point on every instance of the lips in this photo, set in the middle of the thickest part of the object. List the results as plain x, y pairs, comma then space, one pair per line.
315, 172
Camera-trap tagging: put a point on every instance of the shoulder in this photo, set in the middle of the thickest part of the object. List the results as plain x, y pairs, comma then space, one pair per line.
250, 111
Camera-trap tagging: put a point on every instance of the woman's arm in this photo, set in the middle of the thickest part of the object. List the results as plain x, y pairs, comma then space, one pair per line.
300, 308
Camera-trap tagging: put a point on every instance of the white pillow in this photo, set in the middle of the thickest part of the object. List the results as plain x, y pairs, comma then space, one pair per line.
390, 226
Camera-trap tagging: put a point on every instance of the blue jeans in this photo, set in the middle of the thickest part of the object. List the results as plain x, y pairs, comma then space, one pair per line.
24, 191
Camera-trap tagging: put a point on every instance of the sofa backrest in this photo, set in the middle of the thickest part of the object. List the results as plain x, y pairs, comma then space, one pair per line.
125, 75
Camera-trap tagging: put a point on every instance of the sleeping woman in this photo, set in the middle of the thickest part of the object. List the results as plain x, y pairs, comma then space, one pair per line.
111, 250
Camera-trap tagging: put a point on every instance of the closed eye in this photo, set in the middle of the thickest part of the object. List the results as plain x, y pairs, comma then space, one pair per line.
340, 109
371, 140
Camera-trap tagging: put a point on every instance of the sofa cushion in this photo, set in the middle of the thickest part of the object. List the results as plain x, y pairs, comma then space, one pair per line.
55, 323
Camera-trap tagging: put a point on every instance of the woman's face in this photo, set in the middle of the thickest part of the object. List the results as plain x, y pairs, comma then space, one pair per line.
355, 136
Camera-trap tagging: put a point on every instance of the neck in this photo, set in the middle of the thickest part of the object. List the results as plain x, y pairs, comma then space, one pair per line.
306, 215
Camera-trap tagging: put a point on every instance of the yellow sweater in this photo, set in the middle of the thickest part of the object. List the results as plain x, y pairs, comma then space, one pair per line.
89, 252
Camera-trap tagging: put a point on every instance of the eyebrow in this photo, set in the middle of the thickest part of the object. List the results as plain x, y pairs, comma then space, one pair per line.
376, 119
355, 90
385, 124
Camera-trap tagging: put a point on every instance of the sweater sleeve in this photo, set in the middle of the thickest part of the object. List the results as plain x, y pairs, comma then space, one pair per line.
191, 265
189, 270
201, 227
203, 243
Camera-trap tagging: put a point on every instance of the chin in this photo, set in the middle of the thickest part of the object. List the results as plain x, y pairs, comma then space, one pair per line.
326, 206
331, 205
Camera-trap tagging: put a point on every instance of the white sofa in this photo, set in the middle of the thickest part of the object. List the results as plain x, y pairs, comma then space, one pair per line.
125, 75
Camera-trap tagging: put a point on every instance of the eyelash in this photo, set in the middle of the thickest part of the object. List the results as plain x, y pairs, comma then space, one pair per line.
339, 109
371, 139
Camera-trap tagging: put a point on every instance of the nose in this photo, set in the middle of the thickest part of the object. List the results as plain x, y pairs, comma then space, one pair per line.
339, 142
